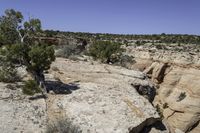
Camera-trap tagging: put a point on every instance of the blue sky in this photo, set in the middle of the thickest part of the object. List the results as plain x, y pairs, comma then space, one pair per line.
113, 16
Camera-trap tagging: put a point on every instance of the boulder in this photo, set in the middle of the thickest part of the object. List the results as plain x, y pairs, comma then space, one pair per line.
156, 71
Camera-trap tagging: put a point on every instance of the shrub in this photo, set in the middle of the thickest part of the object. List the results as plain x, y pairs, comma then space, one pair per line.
69, 50
31, 87
8, 74
66, 51
165, 105
63, 126
160, 111
106, 51
138, 43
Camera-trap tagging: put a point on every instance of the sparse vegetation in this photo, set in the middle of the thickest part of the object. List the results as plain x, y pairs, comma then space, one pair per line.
8, 75
165, 105
66, 51
31, 87
23, 47
160, 111
121, 38
107, 52
63, 126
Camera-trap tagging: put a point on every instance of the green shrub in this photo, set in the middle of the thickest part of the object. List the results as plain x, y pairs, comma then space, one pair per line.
69, 50
66, 51
165, 105
138, 43
31, 87
8, 74
106, 51
160, 111
63, 126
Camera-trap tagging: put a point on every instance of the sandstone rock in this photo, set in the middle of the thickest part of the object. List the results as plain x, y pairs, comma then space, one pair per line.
88, 97
178, 94
156, 71
180, 90
104, 101
18, 114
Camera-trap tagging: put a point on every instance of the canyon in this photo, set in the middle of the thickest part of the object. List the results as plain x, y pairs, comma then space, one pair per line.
159, 93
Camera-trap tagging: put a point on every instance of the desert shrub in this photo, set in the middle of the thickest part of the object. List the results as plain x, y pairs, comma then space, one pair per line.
106, 51
160, 111
8, 74
69, 50
159, 46
165, 105
66, 51
11, 86
31, 87
138, 43
63, 126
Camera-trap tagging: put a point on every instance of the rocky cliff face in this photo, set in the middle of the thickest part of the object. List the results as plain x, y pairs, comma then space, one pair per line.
176, 71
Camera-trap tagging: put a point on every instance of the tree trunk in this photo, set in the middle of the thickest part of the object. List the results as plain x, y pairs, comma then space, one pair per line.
40, 79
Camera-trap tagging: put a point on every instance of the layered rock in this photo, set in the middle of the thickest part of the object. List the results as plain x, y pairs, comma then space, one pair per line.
103, 101
85, 97
180, 94
176, 71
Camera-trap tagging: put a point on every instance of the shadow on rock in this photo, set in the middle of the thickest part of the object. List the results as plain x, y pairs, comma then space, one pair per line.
61, 88
159, 126
40, 96
147, 91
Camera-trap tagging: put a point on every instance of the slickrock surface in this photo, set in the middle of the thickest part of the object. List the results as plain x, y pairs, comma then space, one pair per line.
18, 114
84, 96
102, 99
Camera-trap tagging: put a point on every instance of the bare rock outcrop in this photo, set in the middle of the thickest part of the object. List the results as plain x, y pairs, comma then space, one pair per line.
86, 97
18, 114
180, 94
104, 100
176, 70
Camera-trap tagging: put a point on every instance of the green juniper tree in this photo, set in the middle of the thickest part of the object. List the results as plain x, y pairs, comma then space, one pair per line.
20, 45
106, 51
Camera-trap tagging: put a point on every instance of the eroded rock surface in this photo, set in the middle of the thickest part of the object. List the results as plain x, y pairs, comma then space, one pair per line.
176, 70
180, 93
104, 100
18, 114
85, 97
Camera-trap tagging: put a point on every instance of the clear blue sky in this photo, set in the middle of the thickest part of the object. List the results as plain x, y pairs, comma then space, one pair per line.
113, 16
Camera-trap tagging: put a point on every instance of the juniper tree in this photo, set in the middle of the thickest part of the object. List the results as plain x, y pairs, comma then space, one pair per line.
21, 46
